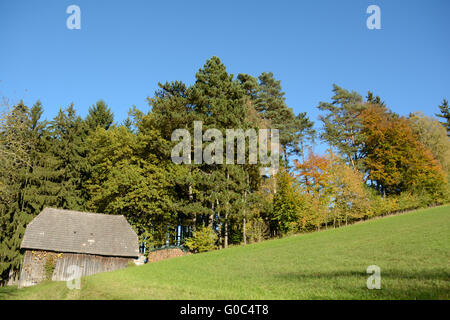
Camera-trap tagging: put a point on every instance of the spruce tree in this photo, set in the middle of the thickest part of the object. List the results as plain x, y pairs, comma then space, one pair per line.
27, 179
15, 144
67, 138
99, 115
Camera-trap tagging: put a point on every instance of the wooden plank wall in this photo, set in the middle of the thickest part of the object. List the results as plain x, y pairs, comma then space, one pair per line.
33, 270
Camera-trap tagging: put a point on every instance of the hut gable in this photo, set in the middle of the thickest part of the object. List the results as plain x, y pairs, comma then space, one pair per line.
79, 232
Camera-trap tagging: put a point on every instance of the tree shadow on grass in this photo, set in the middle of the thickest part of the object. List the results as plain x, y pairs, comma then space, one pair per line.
390, 274
8, 292
395, 284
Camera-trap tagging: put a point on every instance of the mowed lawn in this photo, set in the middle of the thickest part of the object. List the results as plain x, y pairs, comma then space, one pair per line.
412, 250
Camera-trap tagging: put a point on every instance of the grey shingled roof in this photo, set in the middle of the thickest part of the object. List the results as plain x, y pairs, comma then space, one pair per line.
81, 232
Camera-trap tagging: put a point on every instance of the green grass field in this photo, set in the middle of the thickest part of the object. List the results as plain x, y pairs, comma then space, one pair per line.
411, 249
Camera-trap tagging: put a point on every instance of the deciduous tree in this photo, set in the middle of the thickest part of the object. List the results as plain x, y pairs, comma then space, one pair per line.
394, 158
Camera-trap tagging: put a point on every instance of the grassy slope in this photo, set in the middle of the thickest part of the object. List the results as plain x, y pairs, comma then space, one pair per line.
412, 251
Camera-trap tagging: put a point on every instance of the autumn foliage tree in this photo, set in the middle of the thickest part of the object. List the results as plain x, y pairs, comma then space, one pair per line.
432, 135
394, 159
347, 191
378, 163
337, 189
313, 173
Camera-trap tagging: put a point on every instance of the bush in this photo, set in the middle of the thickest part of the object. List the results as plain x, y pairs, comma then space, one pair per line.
425, 199
203, 240
49, 266
257, 230
407, 201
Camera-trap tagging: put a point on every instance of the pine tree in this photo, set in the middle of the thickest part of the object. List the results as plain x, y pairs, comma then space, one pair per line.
270, 102
249, 84
374, 100
219, 101
303, 133
445, 114
341, 124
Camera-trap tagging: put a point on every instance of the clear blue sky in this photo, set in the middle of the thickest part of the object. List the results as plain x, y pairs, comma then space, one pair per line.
125, 47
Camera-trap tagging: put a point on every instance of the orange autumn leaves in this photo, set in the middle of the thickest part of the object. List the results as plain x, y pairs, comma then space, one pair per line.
393, 156
393, 159
328, 190
313, 174
331, 180
324, 190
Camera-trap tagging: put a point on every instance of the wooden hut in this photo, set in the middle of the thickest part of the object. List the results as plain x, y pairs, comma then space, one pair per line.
59, 241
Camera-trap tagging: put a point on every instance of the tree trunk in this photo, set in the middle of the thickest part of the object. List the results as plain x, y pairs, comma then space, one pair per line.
211, 216
225, 235
285, 157
274, 182
194, 219
244, 232
244, 235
